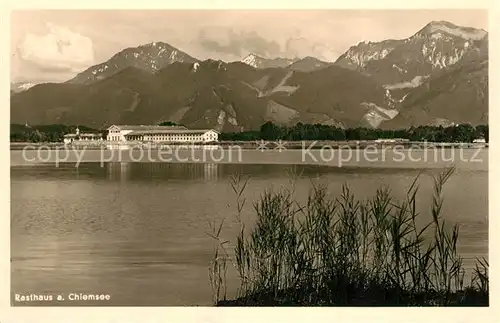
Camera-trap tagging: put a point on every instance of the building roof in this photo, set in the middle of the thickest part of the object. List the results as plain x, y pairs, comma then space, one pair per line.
145, 127
170, 131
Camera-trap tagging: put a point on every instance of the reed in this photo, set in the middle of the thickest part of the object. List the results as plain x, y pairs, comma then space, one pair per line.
343, 251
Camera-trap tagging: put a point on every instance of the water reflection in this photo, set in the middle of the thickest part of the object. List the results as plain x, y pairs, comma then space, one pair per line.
118, 171
124, 171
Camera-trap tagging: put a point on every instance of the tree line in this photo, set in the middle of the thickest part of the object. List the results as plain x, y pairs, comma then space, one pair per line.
300, 131
44, 133
55, 132
271, 131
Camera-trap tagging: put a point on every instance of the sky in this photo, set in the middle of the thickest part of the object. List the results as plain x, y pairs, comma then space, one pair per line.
53, 46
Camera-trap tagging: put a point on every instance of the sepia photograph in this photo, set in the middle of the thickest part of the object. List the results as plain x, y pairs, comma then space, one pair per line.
261, 158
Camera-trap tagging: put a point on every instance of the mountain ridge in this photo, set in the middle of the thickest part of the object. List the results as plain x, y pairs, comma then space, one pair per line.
392, 83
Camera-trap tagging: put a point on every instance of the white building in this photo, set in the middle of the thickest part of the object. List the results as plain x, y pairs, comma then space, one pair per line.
479, 141
391, 140
139, 133
81, 137
383, 140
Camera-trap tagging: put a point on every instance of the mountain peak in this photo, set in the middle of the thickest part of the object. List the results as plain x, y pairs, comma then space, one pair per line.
441, 26
257, 61
252, 60
157, 45
439, 23
253, 55
149, 57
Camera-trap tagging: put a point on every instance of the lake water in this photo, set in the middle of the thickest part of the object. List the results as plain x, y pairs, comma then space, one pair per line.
138, 231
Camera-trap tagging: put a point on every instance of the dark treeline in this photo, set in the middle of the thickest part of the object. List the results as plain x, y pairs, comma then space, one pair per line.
170, 124
270, 131
43, 133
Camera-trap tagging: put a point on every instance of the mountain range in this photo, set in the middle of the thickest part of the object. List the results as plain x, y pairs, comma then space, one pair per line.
438, 76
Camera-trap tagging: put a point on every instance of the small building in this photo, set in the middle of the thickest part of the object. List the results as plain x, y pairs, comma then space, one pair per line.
142, 133
383, 140
479, 141
81, 137
391, 140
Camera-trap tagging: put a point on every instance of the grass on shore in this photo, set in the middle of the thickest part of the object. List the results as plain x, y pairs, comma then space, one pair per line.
345, 252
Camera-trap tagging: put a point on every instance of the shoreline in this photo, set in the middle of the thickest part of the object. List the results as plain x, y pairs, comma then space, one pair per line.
289, 145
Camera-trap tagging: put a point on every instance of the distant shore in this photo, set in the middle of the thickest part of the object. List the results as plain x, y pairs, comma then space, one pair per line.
309, 144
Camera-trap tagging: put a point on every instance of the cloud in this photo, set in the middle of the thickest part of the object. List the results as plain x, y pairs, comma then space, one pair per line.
301, 47
222, 40
59, 49
227, 41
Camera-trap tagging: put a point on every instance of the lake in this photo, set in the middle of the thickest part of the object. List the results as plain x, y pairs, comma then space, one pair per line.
138, 231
